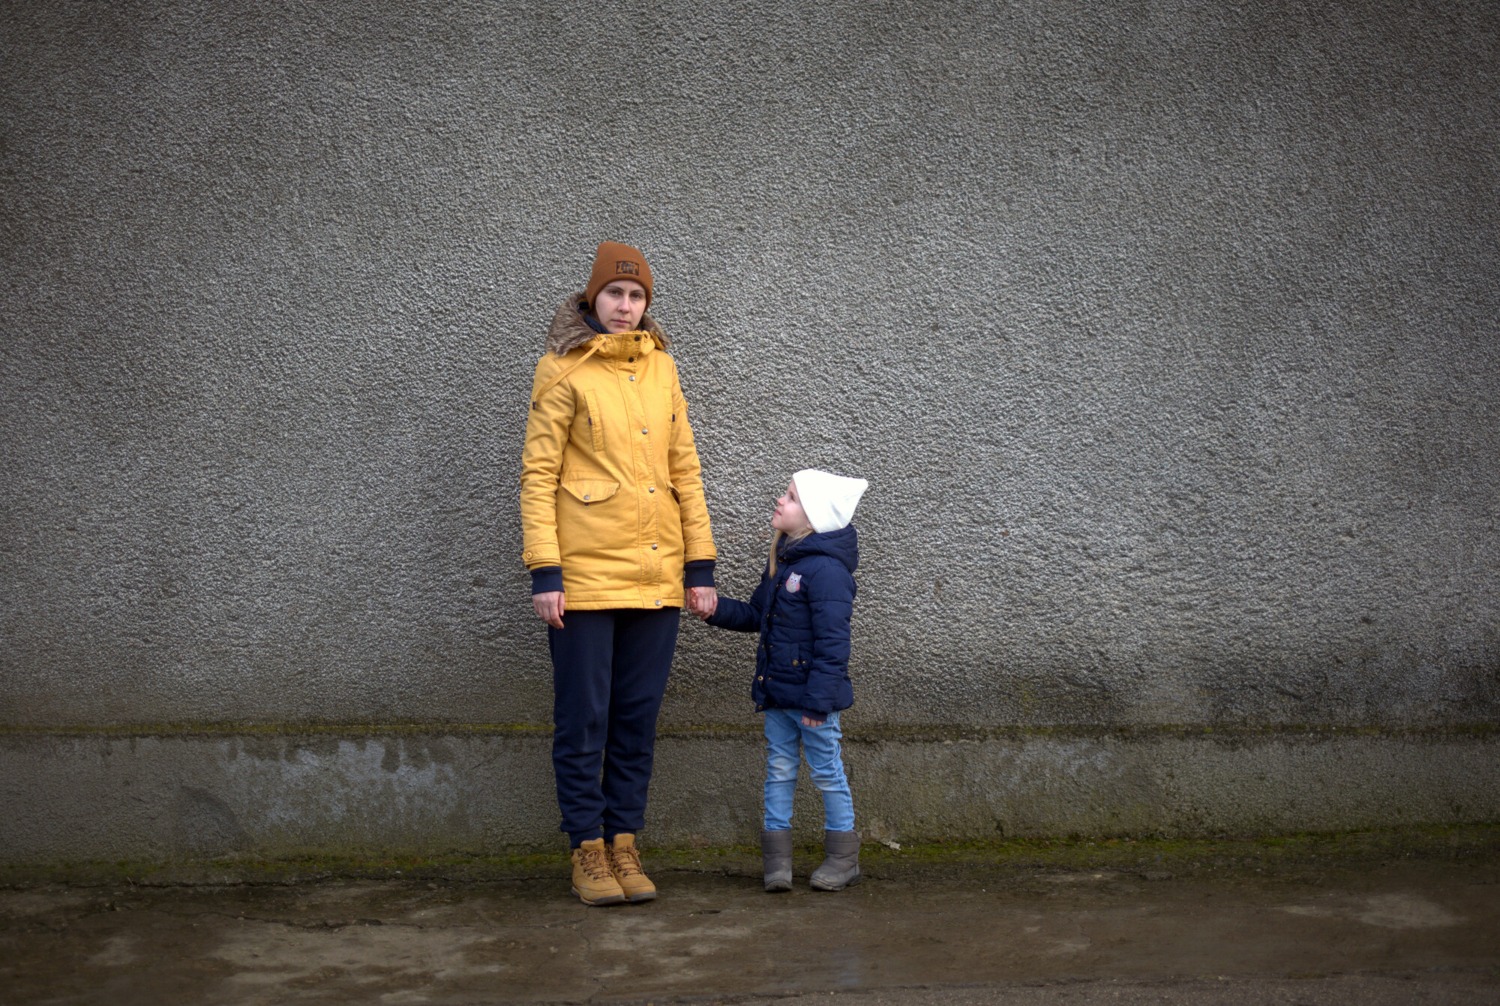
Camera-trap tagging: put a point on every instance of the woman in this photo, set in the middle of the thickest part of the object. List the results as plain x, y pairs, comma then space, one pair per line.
616, 536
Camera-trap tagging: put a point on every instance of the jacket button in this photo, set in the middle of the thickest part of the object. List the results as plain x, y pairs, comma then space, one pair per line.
651, 489
586, 497
658, 602
644, 431
653, 546
632, 377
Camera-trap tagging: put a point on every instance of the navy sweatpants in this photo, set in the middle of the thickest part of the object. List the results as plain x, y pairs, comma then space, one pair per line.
609, 673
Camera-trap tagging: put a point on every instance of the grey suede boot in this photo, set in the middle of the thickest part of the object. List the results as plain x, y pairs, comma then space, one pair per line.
776, 859
840, 867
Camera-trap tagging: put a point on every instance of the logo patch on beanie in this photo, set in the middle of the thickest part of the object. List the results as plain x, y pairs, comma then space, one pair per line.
794, 583
627, 269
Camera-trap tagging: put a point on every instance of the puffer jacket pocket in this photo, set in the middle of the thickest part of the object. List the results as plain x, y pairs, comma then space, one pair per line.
588, 491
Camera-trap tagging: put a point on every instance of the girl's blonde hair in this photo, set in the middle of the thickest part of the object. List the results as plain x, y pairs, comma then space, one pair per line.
791, 539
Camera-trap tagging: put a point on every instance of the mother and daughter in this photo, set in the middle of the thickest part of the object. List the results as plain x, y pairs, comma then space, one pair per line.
616, 536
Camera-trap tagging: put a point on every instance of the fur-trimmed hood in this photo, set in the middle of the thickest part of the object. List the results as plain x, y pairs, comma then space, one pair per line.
570, 329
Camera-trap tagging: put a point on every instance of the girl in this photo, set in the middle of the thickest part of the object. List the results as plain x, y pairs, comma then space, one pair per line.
617, 538
802, 610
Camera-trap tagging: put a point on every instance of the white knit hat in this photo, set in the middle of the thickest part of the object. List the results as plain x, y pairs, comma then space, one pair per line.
828, 500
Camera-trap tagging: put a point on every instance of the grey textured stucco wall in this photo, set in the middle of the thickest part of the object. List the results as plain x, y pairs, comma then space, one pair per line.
1166, 333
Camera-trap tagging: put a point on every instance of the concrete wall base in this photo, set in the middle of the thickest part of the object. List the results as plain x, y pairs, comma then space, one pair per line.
73, 797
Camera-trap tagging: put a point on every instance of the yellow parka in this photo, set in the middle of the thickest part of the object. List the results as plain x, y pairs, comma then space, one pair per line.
611, 489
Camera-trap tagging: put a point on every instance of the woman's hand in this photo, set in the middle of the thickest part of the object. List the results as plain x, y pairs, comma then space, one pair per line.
703, 601
549, 607
808, 721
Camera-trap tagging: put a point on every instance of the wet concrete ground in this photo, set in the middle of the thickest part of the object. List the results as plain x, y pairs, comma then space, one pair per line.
1372, 931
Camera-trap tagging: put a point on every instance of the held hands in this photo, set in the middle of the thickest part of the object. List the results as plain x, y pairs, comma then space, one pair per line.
703, 601
808, 721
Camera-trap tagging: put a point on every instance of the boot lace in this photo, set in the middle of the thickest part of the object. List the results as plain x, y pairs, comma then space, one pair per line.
627, 861
595, 862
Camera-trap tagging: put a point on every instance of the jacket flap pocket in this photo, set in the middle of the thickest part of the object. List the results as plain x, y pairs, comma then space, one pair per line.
591, 490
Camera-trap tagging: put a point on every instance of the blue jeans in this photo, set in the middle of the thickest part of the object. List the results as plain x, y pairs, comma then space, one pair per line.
785, 734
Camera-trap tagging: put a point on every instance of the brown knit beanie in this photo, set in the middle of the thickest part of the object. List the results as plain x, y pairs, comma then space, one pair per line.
616, 261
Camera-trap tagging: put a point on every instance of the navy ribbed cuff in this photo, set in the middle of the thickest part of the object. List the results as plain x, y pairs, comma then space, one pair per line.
698, 573
545, 579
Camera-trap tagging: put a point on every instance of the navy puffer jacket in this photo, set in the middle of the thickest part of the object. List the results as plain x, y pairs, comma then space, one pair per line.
802, 615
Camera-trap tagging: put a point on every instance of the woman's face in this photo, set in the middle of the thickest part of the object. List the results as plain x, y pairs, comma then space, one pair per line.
789, 517
620, 305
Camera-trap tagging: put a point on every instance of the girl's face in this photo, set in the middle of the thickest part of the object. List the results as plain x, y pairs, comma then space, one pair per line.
620, 305
789, 517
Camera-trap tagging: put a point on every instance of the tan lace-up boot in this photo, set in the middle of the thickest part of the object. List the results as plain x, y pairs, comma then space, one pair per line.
625, 862
593, 881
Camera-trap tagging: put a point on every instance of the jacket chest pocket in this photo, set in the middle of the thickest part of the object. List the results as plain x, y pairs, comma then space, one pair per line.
595, 418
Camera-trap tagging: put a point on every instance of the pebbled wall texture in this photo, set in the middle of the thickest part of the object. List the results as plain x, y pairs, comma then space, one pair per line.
1166, 333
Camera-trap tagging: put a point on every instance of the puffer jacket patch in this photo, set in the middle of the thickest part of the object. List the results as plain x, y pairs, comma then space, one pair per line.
803, 615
